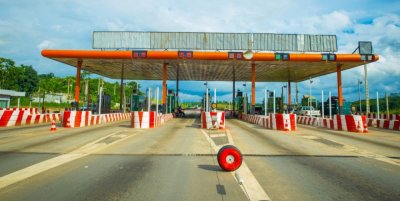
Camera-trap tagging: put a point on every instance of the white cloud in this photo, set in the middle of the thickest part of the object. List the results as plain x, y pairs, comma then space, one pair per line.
70, 23
46, 44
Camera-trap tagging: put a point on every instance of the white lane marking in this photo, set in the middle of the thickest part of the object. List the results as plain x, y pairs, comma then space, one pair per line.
361, 152
217, 135
245, 178
57, 161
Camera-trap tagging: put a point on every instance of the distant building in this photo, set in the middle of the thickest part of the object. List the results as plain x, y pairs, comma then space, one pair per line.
52, 98
5, 97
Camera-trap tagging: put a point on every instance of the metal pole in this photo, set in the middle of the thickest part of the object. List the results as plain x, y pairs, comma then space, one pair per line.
265, 102
309, 98
322, 103
366, 89
274, 103
215, 95
149, 100
18, 102
330, 106
359, 95
207, 99
377, 103
387, 106
100, 97
157, 100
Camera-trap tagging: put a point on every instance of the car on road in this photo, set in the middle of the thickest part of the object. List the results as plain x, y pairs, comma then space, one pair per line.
307, 111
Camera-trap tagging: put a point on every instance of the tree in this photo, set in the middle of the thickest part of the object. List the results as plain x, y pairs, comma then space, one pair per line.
5, 64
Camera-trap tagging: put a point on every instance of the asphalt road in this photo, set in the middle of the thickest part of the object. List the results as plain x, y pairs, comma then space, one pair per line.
177, 162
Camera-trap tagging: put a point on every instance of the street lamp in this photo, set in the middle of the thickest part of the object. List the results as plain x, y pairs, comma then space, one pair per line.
309, 98
206, 98
359, 94
245, 100
282, 98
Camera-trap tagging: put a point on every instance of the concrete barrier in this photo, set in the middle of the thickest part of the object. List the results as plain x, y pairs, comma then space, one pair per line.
351, 123
213, 120
284, 122
146, 120
25, 116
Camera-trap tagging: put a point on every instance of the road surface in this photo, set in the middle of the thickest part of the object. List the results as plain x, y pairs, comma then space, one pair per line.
178, 162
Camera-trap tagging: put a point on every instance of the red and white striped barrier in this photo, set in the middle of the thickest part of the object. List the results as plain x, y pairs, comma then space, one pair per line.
76, 118
384, 116
385, 124
284, 122
213, 120
24, 116
141, 119
107, 118
351, 123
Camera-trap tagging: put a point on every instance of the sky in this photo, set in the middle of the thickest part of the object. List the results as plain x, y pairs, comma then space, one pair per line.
27, 27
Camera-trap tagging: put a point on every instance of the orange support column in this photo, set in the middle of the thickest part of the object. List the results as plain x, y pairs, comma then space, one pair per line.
78, 81
339, 81
253, 87
164, 89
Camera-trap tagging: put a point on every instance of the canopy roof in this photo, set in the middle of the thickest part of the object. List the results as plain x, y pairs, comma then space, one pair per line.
208, 65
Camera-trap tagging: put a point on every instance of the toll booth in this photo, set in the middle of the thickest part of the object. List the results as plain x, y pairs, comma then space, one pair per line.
171, 101
242, 103
105, 103
137, 101
346, 109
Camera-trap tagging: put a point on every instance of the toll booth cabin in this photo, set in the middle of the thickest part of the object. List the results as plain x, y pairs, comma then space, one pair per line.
346, 109
171, 101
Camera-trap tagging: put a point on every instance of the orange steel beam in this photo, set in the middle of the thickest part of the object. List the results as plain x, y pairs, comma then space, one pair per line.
78, 81
253, 84
197, 55
164, 85
339, 81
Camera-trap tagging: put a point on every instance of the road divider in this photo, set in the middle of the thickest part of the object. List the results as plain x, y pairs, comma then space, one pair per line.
385, 124
351, 123
25, 116
78, 119
283, 122
213, 120
140, 119
384, 116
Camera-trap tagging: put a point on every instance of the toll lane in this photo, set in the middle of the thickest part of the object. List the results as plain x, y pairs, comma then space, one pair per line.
307, 167
173, 162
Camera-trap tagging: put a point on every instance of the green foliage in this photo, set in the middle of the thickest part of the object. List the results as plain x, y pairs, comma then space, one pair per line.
18, 78
25, 78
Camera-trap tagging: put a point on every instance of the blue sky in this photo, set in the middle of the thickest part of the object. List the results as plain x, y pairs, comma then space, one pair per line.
27, 27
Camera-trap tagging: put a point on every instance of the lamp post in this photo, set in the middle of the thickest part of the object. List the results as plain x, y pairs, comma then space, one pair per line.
309, 98
245, 99
281, 107
206, 98
359, 94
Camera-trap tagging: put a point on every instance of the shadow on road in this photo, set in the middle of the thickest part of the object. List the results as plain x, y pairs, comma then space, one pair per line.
210, 168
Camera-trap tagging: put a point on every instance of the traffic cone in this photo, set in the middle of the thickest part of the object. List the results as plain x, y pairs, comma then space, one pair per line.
53, 126
68, 125
365, 128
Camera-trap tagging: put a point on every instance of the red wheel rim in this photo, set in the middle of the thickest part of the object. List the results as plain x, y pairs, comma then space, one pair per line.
229, 158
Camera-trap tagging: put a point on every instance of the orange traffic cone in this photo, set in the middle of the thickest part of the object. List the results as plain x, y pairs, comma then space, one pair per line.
53, 126
68, 125
365, 128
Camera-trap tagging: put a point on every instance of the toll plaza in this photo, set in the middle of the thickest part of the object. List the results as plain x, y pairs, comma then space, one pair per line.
277, 155
202, 56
